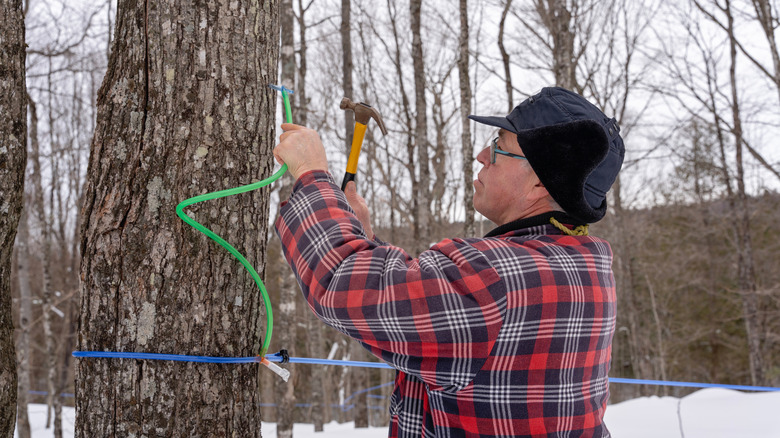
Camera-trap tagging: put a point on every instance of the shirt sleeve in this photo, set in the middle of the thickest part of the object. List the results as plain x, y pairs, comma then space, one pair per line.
435, 317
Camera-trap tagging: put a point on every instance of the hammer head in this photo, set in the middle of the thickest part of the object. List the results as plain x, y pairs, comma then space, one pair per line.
363, 113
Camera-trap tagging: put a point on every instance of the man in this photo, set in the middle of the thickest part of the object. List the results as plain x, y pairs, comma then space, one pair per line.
506, 335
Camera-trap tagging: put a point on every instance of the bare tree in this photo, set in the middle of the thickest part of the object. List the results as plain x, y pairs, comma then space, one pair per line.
25, 320
467, 148
287, 324
319, 384
184, 109
505, 56
422, 197
46, 292
13, 160
745, 265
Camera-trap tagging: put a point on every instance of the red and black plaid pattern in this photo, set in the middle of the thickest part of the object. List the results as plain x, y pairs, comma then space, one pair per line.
498, 336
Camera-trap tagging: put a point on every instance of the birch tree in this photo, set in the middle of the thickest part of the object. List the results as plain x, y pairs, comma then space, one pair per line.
25, 320
184, 109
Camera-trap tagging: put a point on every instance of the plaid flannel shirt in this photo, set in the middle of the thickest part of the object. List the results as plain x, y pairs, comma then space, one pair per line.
507, 335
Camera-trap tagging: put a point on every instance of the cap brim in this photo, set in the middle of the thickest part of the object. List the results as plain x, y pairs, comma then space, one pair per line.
500, 122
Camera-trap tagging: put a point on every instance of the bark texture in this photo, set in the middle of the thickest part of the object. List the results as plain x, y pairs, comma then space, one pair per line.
13, 159
184, 109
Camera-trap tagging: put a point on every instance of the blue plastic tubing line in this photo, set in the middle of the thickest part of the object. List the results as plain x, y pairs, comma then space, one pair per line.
352, 363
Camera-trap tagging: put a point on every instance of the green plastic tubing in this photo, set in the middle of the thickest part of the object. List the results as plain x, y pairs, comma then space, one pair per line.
235, 191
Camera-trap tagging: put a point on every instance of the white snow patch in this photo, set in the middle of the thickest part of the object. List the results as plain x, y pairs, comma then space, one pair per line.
708, 413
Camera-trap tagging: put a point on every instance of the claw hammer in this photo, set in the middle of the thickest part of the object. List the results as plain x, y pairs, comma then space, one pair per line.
363, 113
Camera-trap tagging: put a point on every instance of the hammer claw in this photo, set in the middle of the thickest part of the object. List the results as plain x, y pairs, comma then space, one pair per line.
363, 113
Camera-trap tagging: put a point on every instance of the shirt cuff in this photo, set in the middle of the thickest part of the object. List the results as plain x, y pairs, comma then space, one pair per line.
310, 177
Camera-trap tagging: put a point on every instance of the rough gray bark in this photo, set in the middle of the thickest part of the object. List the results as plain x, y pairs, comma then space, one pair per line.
184, 109
13, 160
467, 149
422, 197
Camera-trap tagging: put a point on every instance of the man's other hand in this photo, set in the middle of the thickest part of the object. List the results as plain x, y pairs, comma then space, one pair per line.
358, 204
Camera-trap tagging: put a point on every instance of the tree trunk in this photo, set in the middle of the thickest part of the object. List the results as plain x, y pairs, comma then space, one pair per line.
318, 379
320, 383
467, 148
505, 57
422, 197
286, 322
556, 17
13, 160
184, 109
745, 268
346, 71
40, 211
766, 17
355, 375
25, 318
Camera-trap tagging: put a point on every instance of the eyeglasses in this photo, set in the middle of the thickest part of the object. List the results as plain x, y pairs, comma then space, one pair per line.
495, 150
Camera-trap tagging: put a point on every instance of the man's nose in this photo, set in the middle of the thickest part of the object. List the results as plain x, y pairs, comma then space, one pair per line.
484, 156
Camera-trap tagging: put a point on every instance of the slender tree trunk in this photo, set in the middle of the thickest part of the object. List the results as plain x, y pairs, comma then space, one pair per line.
746, 270
320, 384
505, 57
356, 375
287, 324
422, 197
40, 211
300, 90
626, 277
556, 17
13, 160
184, 109
766, 17
346, 71
25, 318
53, 401
467, 149
407, 117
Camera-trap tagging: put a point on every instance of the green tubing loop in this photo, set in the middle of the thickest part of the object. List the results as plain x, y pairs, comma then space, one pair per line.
193, 223
235, 191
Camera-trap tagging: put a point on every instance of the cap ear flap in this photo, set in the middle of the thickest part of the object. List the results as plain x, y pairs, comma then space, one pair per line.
563, 156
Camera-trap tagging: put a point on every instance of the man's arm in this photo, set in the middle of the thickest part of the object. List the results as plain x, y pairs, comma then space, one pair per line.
436, 317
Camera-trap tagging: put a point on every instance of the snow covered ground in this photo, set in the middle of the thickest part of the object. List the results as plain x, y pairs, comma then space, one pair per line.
708, 413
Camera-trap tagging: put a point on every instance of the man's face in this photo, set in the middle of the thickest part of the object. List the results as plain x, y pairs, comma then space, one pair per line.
507, 189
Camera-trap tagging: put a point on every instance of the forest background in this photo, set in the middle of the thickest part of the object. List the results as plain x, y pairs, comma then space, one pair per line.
694, 85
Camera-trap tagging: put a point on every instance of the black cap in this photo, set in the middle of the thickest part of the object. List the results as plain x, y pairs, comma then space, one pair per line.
574, 149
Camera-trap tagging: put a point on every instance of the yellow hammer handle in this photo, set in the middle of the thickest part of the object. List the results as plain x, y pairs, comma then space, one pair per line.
357, 144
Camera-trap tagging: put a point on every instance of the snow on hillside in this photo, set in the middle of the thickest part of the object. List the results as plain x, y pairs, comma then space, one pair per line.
708, 413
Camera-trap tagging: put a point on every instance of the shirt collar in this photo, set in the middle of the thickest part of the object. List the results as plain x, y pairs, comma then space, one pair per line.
523, 225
